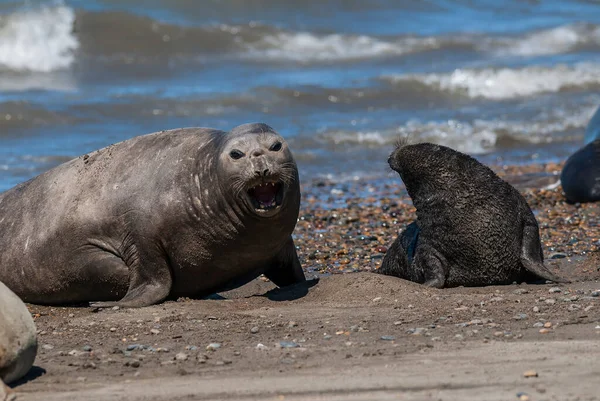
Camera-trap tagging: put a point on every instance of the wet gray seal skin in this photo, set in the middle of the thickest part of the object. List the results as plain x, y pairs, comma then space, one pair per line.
472, 228
186, 212
18, 338
580, 177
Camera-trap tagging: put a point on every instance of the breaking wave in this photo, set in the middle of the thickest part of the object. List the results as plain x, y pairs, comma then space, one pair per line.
38, 39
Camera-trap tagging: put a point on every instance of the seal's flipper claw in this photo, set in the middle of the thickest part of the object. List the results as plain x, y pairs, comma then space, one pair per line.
6, 394
286, 269
109, 304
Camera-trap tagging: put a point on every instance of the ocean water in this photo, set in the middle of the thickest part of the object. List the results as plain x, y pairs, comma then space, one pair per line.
511, 82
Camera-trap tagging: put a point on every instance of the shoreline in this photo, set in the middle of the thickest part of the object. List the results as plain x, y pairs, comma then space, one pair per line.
356, 336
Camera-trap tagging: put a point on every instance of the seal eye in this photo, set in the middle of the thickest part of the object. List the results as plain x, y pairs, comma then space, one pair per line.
276, 147
236, 154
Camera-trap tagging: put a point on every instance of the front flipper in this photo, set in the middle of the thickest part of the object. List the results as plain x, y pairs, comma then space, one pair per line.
285, 269
430, 266
150, 279
532, 257
398, 259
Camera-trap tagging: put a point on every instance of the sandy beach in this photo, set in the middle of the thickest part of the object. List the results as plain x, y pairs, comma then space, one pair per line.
348, 334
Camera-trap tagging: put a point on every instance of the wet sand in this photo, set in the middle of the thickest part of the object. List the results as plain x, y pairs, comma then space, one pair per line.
350, 334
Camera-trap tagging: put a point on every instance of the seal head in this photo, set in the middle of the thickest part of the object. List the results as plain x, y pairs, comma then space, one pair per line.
257, 164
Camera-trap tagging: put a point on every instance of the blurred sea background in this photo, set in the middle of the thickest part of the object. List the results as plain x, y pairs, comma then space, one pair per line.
511, 82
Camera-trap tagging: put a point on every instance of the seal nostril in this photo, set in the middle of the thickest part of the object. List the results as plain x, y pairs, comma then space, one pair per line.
263, 173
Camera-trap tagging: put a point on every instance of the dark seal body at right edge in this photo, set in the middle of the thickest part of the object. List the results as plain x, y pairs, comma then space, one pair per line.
472, 228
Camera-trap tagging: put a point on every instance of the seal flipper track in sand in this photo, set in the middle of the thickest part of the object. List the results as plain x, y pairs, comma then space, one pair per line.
531, 255
150, 281
286, 269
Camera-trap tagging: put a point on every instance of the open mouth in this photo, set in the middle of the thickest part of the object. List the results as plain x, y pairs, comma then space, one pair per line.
266, 196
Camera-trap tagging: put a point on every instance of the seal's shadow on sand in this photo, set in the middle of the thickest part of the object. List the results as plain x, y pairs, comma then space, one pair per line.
291, 292
33, 374
259, 288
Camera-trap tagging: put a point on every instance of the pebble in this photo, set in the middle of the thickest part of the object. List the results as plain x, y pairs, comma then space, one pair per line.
550, 301
538, 324
113, 329
596, 294
388, 338
87, 348
520, 316
254, 330
133, 347
523, 397
292, 324
554, 290
544, 331
548, 325
115, 308
288, 344
536, 309
154, 331
47, 346
181, 356
71, 315
530, 373
213, 346
377, 299
260, 346
520, 291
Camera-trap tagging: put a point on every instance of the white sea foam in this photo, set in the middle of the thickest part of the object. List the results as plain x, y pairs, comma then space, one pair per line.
306, 46
506, 83
474, 137
38, 39
558, 40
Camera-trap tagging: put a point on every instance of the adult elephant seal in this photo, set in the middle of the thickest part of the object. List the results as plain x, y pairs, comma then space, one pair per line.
186, 212
472, 228
18, 340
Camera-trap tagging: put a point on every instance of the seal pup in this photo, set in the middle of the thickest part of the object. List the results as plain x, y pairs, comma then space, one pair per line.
472, 228
580, 176
18, 339
185, 212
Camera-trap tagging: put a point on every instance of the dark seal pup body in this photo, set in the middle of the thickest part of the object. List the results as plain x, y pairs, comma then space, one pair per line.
580, 177
472, 228
186, 212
